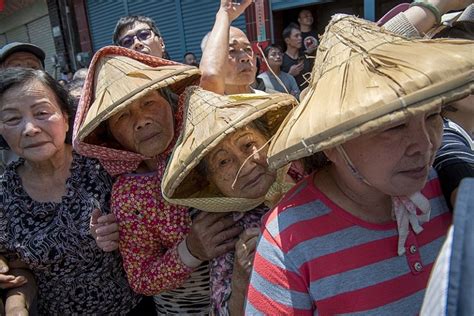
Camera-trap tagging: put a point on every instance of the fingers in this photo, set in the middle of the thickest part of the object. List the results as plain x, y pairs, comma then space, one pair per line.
224, 248
108, 246
95, 216
227, 234
249, 233
107, 219
3, 265
12, 281
106, 230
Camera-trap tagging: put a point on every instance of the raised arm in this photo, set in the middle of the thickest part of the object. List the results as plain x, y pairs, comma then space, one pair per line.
216, 51
421, 19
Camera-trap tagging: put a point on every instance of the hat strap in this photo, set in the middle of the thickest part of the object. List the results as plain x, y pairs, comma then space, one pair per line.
355, 172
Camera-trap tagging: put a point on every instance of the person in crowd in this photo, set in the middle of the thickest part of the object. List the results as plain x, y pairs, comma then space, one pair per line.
274, 78
309, 35
18, 54
129, 118
228, 48
80, 74
224, 139
20, 289
139, 33
294, 63
47, 198
62, 82
451, 285
372, 215
190, 59
455, 158
75, 89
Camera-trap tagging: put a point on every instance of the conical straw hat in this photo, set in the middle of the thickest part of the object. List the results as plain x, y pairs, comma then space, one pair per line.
210, 118
365, 79
119, 80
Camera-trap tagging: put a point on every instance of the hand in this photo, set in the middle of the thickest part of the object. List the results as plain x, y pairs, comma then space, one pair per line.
295, 70
104, 229
450, 5
8, 281
233, 8
211, 235
16, 311
245, 252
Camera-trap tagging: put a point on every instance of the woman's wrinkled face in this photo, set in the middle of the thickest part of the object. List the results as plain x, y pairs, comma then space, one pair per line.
31, 121
145, 126
397, 160
224, 162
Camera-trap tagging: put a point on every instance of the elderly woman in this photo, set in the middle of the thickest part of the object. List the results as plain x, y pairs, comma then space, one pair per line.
129, 118
219, 165
361, 233
47, 198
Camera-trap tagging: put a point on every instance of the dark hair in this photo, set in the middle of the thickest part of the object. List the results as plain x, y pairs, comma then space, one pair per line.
189, 53
287, 30
460, 29
129, 21
14, 77
267, 49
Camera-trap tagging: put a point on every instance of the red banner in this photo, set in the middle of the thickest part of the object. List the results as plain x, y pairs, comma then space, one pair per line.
2, 5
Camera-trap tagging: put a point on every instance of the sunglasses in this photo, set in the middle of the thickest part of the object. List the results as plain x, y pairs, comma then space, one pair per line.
141, 35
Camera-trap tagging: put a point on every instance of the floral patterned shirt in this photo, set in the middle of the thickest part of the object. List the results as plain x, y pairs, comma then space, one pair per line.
150, 230
73, 275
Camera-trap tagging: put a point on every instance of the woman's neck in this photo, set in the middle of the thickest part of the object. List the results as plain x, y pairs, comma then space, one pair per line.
237, 89
58, 165
149, 165
354, 196
276, 69
45, 181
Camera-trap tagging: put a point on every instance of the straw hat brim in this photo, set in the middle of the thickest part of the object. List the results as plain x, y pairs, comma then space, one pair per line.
366, 79
182, 184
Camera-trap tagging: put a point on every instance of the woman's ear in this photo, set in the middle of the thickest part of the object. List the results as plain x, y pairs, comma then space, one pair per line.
331, 154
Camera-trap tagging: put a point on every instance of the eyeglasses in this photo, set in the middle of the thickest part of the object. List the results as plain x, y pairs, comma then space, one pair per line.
275, 54
141, 35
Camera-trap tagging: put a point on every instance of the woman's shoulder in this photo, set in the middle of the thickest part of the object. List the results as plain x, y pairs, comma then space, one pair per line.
304, 199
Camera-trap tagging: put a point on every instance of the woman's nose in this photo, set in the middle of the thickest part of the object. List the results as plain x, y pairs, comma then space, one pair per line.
30, 129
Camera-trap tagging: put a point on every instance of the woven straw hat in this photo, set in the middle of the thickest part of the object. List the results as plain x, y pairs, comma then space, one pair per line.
119, 80
210, 118
365, 79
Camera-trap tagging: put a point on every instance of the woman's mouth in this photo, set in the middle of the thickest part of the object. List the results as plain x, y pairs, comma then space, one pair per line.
416, 173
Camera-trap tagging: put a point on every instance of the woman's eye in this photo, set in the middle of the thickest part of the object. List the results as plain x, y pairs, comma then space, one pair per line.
223, 162
42, 114
122, 116
249, 145
433, 115
396, 128
148, 103
11, 120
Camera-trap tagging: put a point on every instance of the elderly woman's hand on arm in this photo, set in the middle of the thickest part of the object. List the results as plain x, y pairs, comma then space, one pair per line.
211, 235
20, 285
105, 230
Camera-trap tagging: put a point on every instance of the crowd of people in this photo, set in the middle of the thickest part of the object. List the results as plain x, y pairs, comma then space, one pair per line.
144, 186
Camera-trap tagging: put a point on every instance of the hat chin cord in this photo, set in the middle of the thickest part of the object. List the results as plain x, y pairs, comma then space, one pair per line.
355, 172
404, 209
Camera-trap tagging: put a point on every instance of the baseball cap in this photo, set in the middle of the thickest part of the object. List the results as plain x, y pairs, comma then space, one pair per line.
15, 47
